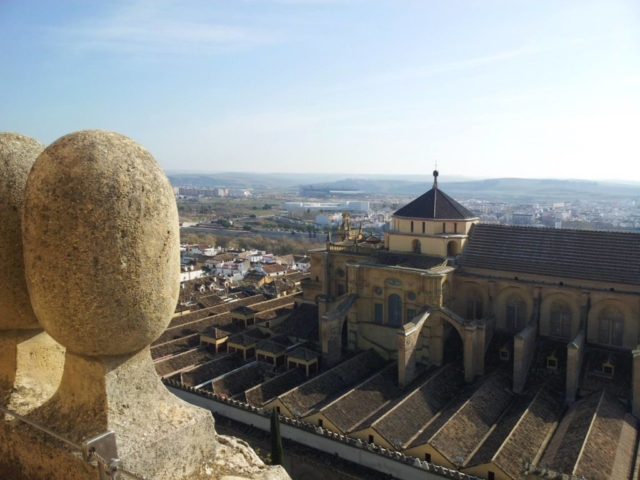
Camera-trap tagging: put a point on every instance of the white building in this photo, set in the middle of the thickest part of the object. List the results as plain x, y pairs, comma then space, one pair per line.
349, 206
190, 273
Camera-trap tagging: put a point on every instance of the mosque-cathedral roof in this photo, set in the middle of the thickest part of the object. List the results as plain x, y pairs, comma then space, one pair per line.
435, 205
581, 254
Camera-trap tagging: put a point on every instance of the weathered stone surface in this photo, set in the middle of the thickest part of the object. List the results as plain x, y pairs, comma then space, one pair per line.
31, 365
30, 361
101, 243
157, 433
17, 154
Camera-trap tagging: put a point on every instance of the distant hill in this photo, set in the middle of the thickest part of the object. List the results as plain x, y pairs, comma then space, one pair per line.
540, 189
520, 189
367, 182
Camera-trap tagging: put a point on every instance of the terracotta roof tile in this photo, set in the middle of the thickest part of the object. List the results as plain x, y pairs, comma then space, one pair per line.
242, 379
247, 337
267, 391
183, 361
420, 406
301, 353
332, 383
352, 408
520, 433
302, 323
596, 438
407, 260
208, 371
464, 430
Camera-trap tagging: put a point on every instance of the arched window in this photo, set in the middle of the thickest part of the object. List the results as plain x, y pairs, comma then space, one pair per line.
452, 249
475, 306
560, 320
416, 246
611, 327
516, 313
394, 310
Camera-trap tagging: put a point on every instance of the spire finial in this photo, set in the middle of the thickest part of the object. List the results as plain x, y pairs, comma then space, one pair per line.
435, 176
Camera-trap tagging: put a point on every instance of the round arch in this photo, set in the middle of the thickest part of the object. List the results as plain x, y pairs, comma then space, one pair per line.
503, 298
553, 300
611, 308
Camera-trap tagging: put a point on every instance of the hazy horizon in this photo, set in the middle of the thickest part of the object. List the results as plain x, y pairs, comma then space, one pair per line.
492, 89
419, 178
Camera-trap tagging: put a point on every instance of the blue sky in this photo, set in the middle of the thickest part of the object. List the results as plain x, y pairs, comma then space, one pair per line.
488, 88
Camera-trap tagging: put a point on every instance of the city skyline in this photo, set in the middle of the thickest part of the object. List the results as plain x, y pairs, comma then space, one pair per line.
497, 89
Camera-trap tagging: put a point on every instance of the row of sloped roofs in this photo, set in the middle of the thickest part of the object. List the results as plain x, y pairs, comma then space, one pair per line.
469, 425
221, 365
182, 361
217, 316
191, 317
599, 256
187, 336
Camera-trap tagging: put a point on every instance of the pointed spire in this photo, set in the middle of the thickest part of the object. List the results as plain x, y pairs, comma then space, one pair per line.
435, 187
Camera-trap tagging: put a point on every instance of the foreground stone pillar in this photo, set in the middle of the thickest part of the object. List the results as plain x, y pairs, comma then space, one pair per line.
30, 361
101, 250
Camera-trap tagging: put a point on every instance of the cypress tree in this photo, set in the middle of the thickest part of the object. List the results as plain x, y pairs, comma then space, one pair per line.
276, 439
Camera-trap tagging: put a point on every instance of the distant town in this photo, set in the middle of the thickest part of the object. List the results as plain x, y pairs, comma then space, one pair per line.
311, 209
413, 335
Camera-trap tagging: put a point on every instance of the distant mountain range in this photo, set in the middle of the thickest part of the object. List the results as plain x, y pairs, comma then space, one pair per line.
521, 189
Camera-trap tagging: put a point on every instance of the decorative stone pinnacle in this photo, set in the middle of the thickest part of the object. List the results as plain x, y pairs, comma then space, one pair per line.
101, 212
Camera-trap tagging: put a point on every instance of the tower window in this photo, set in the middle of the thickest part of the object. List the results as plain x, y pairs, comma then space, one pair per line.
444, 228
370, 438
423, 227
320, 422
412, 226
455, 228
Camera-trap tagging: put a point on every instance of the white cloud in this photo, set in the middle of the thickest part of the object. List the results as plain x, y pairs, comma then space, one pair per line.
158, 28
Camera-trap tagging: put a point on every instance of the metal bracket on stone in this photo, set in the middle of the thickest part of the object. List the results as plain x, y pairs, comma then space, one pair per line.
103, 448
